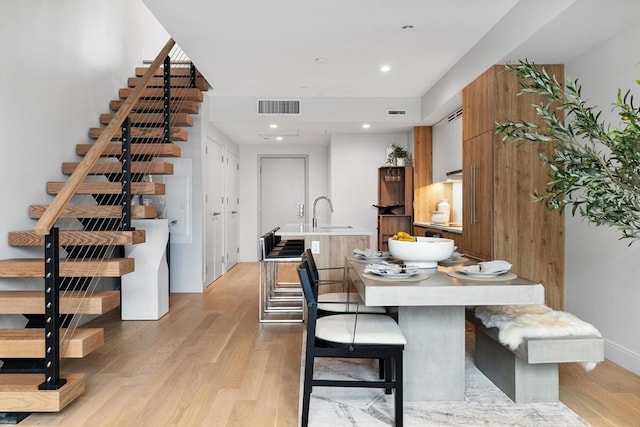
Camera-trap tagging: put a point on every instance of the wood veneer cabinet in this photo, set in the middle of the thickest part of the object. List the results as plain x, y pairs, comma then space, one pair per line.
500, 219
395, 187
477, 196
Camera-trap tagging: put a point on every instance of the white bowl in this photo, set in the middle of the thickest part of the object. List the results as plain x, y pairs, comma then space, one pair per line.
425, 253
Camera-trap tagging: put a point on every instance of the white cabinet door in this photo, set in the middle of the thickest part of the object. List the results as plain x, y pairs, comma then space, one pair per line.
213, 212
232, 210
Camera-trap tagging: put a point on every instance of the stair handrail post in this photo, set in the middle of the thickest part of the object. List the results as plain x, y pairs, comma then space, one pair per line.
166, 107
52, 312
125, 177
53, 211
192, 75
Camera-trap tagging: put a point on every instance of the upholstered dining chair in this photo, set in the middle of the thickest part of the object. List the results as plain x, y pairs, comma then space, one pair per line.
335, 302
363, 336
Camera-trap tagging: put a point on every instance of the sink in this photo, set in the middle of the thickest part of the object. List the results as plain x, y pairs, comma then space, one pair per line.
335, 227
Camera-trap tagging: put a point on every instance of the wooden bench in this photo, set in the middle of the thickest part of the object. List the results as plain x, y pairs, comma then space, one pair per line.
529, 373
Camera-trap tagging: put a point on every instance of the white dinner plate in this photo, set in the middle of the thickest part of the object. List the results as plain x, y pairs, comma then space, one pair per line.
383, 257
394, 275
421, 275
404, 273
474, 271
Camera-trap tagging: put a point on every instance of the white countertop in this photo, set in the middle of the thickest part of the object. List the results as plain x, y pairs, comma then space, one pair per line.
301, 230
443, 227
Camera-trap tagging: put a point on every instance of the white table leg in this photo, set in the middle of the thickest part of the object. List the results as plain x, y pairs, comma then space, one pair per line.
434, 354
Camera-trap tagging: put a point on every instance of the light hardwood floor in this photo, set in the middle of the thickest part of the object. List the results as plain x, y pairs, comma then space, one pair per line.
209, 362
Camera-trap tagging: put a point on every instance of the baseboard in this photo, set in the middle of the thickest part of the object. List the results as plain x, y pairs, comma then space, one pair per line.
622, 356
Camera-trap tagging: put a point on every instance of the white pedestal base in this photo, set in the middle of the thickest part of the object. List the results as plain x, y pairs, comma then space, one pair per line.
145, 292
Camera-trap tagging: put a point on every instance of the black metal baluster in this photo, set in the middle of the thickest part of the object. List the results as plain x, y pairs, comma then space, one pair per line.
125, 178
192, 76
52, 312
167, 99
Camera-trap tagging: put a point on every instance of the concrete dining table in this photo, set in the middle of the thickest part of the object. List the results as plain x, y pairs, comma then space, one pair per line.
431, 314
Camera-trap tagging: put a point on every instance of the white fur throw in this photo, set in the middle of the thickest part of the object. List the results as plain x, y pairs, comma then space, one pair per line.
516, 322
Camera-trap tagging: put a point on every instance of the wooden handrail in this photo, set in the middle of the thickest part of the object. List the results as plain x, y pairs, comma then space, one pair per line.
50, 216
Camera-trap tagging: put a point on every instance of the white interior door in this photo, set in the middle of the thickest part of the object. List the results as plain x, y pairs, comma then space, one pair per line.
213, 246
232, 210
283, 191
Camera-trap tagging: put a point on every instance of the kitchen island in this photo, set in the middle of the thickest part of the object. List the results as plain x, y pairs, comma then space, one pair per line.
330, 243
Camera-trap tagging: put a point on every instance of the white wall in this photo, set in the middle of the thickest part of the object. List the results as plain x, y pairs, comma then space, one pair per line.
355, 160
185, 204
248, 213
603, 273
64, 62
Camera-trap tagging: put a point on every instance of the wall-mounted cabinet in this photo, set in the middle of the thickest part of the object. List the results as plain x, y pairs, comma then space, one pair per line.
395, 202
500, 219
427, 194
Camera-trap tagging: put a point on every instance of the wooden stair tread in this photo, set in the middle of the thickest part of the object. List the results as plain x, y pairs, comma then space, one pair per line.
146, 105
187, 94
71, 302
155, 150
153, 188
177, 119
101, 267
137, 212
175, 133
176, 81
101, 168
79, 237
29, 342
20, 393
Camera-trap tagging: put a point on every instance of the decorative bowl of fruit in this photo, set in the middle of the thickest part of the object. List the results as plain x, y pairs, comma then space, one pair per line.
422, 252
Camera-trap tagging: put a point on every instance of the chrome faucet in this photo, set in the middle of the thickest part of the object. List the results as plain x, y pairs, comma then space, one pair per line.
315, 202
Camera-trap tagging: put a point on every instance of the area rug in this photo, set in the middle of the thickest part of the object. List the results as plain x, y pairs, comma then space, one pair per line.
484, 404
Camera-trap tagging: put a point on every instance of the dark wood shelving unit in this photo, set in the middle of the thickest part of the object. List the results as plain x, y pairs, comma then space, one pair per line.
395, 195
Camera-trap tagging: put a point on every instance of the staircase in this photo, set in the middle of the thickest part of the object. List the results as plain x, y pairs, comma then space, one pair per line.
98, 200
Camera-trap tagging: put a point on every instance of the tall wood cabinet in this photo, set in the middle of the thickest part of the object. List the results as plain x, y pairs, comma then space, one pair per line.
500, 219
395, 201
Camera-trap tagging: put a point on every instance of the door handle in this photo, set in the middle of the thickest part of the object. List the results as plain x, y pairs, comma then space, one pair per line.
234, 212
474, 193
216, 213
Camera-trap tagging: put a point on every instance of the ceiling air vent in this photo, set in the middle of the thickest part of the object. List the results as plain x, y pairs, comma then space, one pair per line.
397, 112
283, 107
451, 117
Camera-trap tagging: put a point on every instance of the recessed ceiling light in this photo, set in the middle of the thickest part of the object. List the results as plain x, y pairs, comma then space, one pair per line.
273, 126
321, 60
385, 68
366, 126
407, 27
278, 138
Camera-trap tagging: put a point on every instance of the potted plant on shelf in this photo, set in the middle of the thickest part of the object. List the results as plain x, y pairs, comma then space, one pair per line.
595, 167
398, 156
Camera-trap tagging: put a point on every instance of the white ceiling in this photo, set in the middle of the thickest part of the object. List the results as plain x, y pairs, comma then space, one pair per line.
251, 49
